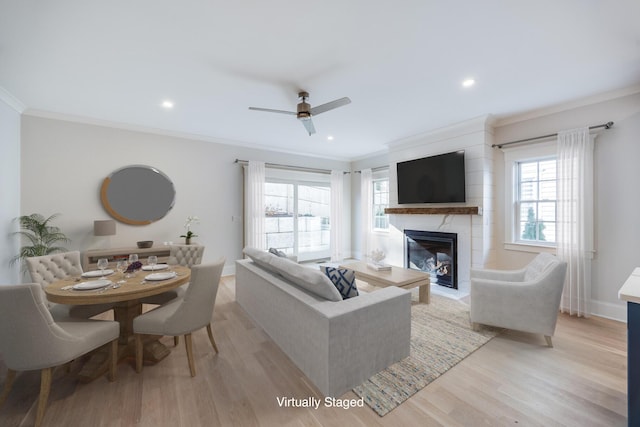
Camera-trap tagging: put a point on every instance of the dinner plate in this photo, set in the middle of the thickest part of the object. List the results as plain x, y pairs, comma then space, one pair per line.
93, 284
161, 276
97, 273
155, 267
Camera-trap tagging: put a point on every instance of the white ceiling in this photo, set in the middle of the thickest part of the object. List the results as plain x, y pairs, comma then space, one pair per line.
401, 63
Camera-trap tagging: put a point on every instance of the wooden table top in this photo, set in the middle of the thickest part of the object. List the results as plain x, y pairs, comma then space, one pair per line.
134, 288
397, 276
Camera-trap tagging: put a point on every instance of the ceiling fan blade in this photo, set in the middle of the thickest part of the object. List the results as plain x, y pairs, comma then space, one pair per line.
269, 110
330, 105
308, 125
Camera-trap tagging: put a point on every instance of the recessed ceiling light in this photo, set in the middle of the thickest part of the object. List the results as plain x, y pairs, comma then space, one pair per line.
330, 138
468, 82
167, 104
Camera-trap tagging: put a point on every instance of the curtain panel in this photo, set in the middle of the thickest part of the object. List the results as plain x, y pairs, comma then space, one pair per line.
575, 218
254, 219
366, 210
337, 179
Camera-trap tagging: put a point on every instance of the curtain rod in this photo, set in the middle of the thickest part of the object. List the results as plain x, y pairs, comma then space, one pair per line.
607, 125
291, 168
376, 169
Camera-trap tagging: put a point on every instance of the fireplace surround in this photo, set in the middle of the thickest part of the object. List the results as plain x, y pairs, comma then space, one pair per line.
433, 252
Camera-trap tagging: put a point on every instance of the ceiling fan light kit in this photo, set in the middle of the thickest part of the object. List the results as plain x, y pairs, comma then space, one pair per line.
305, 111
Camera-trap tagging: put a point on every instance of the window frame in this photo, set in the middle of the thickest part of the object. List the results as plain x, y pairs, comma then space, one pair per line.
513, 157
298, 178
381, 175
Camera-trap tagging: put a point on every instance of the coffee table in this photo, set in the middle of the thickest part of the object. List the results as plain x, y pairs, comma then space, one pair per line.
398, 276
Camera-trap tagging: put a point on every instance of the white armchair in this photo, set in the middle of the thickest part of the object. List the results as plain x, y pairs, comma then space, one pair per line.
525, 300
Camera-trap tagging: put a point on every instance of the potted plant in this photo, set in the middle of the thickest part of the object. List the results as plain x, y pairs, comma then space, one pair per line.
189, 234
43, 237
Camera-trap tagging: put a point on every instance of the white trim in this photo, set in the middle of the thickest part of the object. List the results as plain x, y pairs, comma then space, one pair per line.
11, 100
570, 105
609, 310
165, 132
526, 247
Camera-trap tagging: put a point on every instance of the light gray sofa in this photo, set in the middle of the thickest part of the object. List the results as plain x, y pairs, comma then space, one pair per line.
337, 344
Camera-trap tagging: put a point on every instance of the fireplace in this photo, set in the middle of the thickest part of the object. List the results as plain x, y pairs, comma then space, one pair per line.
435, 253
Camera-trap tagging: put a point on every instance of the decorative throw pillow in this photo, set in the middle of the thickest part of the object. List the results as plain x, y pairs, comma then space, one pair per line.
276, 252
309, 279
344, 280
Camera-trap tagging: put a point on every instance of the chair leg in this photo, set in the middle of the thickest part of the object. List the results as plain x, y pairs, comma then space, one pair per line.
475, 326
548, 338
138, 353
187, 343
45, 388
213, 342
8, 383
114, 360
176, 340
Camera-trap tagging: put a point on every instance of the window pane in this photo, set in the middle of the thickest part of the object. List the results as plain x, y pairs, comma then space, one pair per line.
548, 190
549, 232
547, 211
528, 171
529, 190
547, 169
313, 218
380, 202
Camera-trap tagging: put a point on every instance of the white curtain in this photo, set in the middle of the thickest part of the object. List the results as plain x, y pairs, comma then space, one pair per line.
254, 219
575, 218
336, 216
366, 210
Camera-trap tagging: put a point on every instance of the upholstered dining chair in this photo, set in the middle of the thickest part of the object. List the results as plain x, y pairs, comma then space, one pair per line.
186, 256
47, 269
31, 339
525, 300
185, 314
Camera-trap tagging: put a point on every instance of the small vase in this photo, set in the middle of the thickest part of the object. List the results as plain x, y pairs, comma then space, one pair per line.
187, 241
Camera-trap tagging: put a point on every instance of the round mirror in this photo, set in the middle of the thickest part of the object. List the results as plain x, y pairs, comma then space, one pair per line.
137, 194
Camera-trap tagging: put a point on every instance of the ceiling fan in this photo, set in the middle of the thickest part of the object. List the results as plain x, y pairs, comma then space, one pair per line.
305, 111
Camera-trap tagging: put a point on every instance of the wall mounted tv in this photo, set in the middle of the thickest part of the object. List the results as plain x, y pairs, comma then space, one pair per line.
435, 179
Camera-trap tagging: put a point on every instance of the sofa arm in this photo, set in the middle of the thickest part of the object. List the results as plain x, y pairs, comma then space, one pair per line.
366, 335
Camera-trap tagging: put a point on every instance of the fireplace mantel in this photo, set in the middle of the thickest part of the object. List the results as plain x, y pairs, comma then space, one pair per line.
445, 210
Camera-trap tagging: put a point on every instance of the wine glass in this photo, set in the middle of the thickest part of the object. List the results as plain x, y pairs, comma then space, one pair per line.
121, 267
152, 261
133, 258
102, 264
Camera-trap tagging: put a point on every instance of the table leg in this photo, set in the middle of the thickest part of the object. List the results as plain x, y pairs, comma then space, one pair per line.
423, 293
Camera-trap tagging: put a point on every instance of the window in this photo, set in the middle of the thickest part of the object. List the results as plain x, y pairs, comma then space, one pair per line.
297, 218
536, 201
380, 202
530, 197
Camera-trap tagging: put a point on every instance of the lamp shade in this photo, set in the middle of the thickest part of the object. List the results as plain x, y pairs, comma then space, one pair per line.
105, 227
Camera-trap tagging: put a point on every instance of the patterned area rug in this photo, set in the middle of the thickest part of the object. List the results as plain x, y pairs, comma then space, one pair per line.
441, 336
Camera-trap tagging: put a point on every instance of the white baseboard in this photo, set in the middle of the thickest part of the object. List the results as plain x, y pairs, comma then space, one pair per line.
609, 310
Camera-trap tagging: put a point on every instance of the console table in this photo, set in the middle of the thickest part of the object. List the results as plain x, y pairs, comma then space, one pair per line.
90, 257
630, 292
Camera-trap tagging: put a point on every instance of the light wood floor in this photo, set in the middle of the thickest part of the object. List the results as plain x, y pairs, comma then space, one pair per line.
513, 380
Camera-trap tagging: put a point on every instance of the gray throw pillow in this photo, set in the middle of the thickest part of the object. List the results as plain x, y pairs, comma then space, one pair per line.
311, 280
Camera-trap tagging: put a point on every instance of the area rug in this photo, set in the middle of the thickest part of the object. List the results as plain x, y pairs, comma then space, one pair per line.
441, 336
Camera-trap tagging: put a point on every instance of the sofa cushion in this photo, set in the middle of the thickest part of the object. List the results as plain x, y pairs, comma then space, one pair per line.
344, 280
276, 252
309, 279
260, 257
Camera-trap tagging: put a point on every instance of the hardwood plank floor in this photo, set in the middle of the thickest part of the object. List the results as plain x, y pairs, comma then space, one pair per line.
514, 379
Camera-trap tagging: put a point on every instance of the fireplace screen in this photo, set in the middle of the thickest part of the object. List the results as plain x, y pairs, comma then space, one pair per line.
435, 253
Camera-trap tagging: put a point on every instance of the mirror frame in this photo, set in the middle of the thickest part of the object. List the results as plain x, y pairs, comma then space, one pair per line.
112, 210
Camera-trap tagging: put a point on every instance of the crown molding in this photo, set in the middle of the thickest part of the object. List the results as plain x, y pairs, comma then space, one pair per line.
483, 123
570, 105
164, 132
12, 101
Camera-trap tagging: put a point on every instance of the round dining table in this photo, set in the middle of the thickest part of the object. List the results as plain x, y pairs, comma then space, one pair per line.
125, 293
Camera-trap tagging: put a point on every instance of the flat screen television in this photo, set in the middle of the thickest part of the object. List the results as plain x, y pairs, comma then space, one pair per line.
435, 179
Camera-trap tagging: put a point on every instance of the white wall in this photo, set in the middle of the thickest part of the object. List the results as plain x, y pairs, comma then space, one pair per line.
617, 199
64, 164
9, 189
